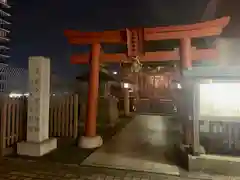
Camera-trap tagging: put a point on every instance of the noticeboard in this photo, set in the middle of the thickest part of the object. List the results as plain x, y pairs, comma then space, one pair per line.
219, 101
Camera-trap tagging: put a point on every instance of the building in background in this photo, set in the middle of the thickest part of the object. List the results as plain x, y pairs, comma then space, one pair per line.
13, 79
4, 31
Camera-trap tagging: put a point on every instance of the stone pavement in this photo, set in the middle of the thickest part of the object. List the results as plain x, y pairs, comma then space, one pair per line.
20, 168
30, 170
145, 144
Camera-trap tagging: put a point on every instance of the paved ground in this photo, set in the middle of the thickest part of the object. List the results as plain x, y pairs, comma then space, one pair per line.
141, 145
29, 170
21, 169
145, 144
69, 153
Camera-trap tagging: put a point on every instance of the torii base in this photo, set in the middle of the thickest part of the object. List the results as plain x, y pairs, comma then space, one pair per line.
90, 142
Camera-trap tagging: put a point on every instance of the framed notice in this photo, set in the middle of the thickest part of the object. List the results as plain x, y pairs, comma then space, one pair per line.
219, 100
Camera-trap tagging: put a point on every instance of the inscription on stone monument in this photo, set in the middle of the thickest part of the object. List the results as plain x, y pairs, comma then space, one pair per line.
39, 71
33, 112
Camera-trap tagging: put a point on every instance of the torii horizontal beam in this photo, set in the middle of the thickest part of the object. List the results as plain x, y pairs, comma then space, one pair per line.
197, 54
77, 37
209, 28
221, 22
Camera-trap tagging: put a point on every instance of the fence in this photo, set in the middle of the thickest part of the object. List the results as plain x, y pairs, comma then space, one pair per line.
63, 120
13, 122
64, 116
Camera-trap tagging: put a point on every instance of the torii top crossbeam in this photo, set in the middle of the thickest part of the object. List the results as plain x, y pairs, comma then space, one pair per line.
135, 38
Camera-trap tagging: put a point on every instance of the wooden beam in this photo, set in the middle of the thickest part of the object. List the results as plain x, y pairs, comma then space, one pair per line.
78, 37
221, 23
84, 58
117, 57
92, 40
212, 31
118, 38
76, 33
204, 54
208, 28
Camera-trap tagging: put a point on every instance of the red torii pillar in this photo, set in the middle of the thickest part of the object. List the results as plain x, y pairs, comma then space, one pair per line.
90, 139
186, 63
186, 53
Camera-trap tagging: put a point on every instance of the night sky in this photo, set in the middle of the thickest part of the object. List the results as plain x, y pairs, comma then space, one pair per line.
38, 26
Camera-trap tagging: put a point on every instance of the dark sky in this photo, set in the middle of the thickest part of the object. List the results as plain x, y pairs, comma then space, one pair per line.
38, 26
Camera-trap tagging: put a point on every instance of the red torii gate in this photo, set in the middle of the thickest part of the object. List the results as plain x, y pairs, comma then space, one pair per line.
134, 39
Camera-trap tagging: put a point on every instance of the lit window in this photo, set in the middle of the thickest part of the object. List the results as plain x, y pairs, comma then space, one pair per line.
126, 85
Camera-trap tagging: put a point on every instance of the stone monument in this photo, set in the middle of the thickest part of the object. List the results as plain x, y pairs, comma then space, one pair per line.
38, 142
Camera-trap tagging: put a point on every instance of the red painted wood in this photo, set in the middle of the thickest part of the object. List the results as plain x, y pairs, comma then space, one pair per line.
186, 53
78, 37
91, 40
212, 31
76, 33
221, 22
203, 54
91, 124
208, 28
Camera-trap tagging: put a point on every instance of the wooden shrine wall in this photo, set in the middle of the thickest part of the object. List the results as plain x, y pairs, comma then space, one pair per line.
154, 85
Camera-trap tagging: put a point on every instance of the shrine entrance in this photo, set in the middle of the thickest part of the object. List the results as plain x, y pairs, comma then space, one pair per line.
146, 143
157, 98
